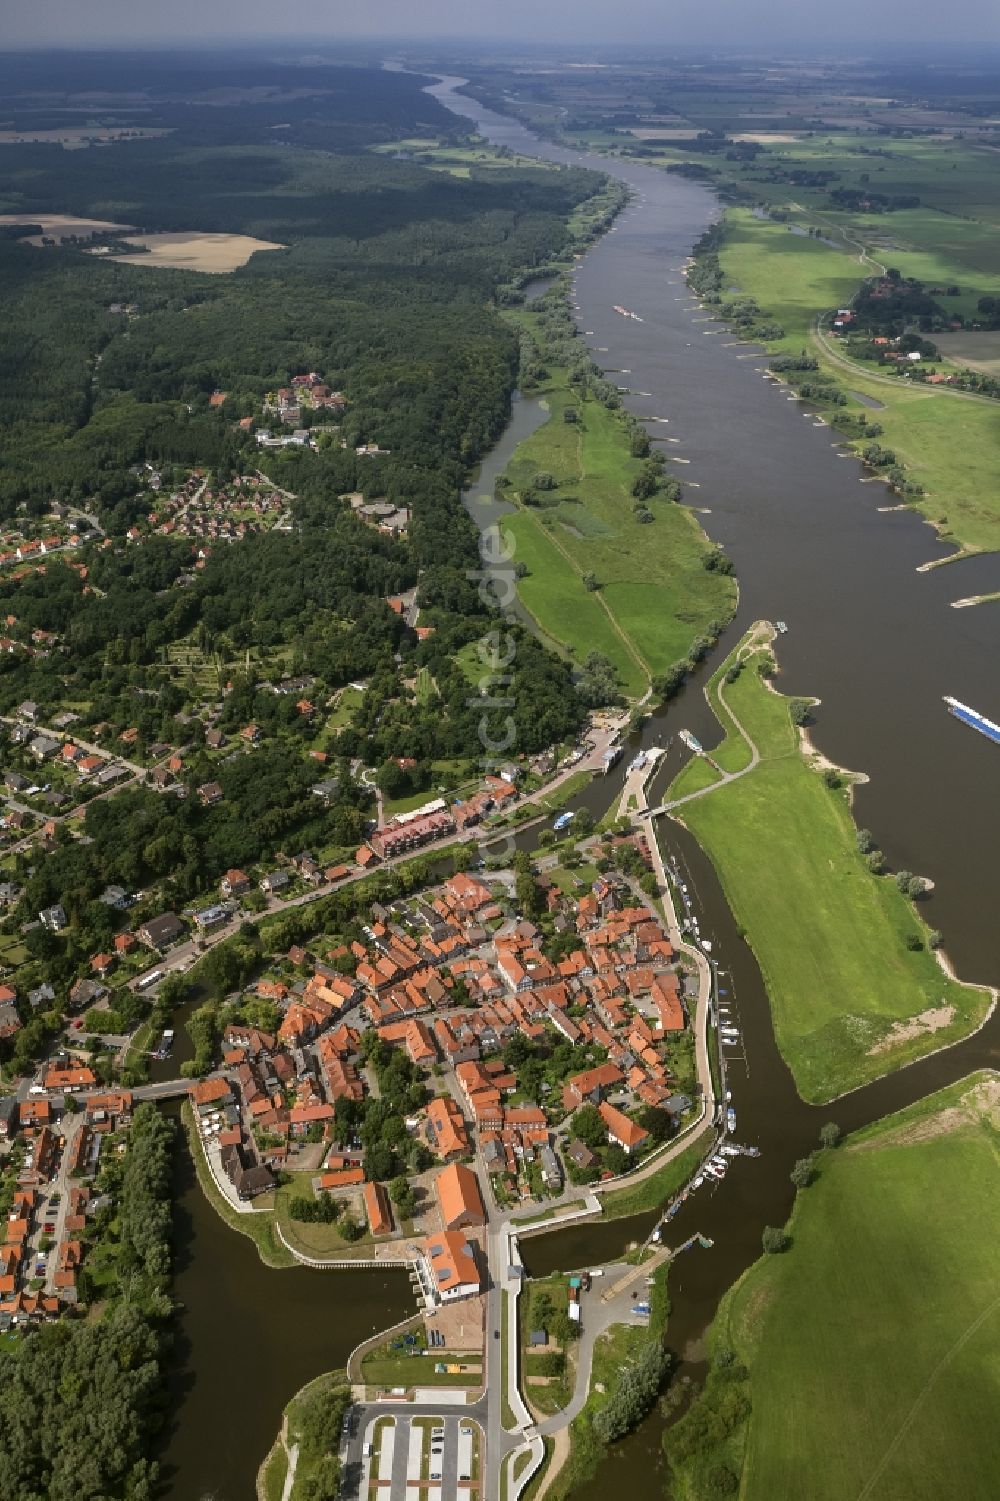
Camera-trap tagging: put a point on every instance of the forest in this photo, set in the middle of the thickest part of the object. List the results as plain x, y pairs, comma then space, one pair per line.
387, 287
82, 1399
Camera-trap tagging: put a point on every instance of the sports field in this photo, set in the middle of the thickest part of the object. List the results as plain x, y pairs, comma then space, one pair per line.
874, 1343
850, 1000
655, 595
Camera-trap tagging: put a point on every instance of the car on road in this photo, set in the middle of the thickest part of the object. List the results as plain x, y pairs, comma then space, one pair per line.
49, 1227
435, 1474
496, 1334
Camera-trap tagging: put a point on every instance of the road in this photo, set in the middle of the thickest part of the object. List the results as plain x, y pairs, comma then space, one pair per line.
762, 633
829, 350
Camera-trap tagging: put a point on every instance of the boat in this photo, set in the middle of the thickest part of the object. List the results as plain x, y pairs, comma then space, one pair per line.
611, 758
563, 820
626, 312
691, 741
638, 763
731, 1119
698, 1181
780, 626
164, 1046
974, 719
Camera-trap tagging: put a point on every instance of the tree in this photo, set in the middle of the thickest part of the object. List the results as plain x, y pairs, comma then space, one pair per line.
544, 481
591, 582
634, 1392
803, 1172
903, 879
589, 1128
775, 1240
799, 711
865, 841
401, 1194
830, 1134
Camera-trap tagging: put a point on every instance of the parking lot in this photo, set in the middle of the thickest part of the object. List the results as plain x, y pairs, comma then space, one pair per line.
420, 1457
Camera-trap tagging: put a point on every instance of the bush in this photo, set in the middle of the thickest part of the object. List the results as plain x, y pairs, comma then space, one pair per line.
830, 1134
775, 1240
634, 1394
803, 1172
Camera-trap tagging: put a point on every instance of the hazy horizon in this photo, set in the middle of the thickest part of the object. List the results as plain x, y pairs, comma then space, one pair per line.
853, 28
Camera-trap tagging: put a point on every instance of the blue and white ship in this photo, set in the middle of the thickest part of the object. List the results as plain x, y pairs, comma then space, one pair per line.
973, 718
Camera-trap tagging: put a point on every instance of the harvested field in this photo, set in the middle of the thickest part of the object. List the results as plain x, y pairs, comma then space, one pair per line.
978, 351
78, 137
61, 226
192, 250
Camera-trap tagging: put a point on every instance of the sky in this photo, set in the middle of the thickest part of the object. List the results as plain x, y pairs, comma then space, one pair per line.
851, 26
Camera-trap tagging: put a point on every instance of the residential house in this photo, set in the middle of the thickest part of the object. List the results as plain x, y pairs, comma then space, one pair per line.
160, 932
458, 1196
447, 1135
450, 1267
377, 1209
621, 1130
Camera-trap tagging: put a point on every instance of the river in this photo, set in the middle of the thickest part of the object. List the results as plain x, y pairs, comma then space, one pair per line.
868, 634
247, 1338
873, 638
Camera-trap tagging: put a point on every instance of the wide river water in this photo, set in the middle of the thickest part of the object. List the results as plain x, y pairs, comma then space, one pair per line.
873, 638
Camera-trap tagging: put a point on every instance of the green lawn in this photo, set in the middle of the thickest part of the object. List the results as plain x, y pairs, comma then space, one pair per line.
275, 1471
654, 1191
654, 588
874, 1342
829, 936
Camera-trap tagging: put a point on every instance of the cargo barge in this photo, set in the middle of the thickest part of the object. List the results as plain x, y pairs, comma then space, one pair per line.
973, 718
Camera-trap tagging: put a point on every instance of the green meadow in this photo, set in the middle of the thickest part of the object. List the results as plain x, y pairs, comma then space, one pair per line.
873, 1343
949, 443
849, 998
655, 595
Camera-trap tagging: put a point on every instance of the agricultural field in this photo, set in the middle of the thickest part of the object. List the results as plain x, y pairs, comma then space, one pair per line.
194, 250
882, 1320
655, 595
851, 999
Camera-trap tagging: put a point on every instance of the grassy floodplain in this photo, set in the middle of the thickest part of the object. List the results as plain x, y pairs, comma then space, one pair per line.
872, 1344
656, 596
949, 442
850, 1000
